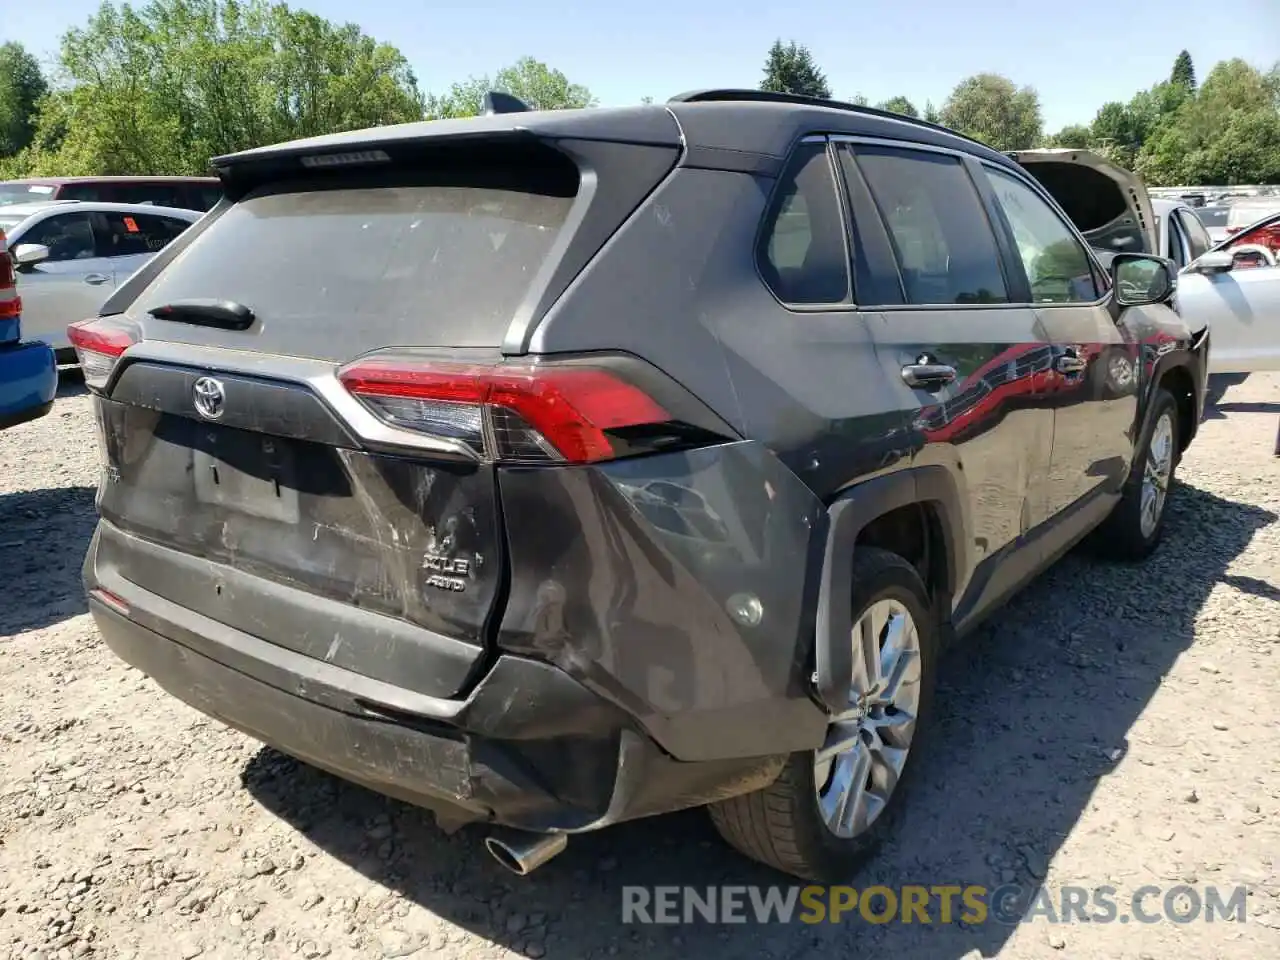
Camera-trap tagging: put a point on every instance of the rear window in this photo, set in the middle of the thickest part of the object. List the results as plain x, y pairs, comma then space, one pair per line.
1213, 216
337, 271
1246, 214
25, 192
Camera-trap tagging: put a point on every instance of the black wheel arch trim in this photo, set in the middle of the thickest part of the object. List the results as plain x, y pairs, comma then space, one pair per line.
1197, 366
931, 487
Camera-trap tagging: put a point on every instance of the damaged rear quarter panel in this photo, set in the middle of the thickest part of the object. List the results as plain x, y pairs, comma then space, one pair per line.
680, 586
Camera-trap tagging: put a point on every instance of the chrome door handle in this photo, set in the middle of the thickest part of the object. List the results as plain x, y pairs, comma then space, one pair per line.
96, 278
1070, 363
928, 375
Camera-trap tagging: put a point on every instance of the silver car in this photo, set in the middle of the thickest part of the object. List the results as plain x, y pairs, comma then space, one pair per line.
71, 255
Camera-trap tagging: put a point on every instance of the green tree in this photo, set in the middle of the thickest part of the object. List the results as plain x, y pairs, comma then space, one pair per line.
162, 88
990, 108
790, 68
1228, 132
539, 86
22, 85
1074, 137
900, 105
1184, 72
931, 113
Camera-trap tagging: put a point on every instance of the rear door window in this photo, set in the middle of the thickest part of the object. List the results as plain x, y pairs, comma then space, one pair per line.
334, 270
69, 236
133, 234
801, 251
945, 246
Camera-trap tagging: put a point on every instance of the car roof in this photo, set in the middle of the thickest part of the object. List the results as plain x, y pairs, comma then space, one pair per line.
94, 206
27, 209
741, 123
51, 181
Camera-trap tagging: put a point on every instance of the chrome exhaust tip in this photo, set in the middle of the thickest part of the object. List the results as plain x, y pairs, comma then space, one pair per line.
523, 853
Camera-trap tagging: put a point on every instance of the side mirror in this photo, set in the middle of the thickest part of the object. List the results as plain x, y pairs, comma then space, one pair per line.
1141, 279
29, 254
1215, 261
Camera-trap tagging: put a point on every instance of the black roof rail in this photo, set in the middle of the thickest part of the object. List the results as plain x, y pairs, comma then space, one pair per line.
495, 101
747, 95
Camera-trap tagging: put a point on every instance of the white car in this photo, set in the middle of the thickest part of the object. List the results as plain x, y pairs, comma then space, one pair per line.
1233, 287
70, 256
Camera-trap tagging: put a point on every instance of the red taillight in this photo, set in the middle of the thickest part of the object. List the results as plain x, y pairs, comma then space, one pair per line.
98, 347
10, 302
536, 412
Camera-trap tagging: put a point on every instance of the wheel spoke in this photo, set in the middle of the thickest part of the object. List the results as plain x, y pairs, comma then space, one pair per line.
851, 806
886, 767
841, 738
899, 659
866, 651
858, 765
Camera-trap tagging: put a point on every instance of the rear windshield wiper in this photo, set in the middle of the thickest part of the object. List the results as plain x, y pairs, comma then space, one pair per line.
225, 314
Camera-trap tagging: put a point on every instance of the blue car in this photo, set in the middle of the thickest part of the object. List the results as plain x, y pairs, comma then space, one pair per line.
28, 371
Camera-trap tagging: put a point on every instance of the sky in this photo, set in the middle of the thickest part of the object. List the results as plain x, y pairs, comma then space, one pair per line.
1078, 54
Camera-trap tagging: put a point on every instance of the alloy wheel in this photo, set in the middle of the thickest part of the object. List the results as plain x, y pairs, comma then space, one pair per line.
865, 751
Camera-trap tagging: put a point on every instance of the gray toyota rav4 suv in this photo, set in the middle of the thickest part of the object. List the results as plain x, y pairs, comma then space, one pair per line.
553, 469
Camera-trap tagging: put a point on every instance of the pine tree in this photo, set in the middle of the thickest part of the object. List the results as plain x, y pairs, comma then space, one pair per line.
789, 68
1184, 72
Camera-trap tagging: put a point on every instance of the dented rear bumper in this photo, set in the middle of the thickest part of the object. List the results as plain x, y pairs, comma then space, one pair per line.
529, 747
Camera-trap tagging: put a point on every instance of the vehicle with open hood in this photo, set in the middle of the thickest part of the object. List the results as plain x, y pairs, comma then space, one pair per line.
1108, 204
1232, 287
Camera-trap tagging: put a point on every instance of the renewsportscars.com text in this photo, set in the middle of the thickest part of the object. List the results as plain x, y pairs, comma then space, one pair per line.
1009, 904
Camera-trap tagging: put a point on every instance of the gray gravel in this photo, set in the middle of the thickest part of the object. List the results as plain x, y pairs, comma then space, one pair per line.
1115, 725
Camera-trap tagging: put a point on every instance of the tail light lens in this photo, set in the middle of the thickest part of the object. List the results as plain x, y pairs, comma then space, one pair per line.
524, 412
10, 302
99, 345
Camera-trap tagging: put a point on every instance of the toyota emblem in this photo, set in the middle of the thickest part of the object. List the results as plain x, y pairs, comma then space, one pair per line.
209, 397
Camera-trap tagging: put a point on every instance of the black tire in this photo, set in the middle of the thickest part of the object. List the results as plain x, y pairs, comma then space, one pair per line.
781, 825
1121, 537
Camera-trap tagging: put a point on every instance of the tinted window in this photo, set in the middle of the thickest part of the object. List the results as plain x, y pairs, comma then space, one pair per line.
129, 235
1197, 236
160, 194
85, 191
1056, 264
204, 198
802, 252
1213, 216
68, 236
334, 272
944, 243
1175, 248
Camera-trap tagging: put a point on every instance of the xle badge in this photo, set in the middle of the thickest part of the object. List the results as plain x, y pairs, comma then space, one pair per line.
447, 573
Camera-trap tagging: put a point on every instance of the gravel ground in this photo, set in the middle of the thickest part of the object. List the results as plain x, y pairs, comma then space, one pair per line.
1113, 726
